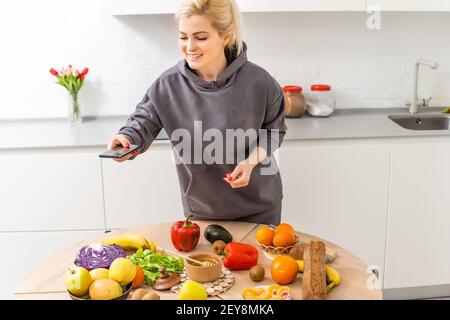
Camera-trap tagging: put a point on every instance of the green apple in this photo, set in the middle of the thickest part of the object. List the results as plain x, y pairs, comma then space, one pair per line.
77, 281
192, 290
99, 273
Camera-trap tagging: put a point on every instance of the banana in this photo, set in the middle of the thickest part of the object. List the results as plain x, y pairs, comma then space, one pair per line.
333, 277
153, 246
130, 241
301, 265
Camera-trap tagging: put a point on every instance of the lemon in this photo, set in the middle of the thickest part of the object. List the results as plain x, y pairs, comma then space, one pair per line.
192, 290
122, 270
99, 273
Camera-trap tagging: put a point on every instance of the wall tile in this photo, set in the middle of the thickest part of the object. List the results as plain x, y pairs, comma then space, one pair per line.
367, 69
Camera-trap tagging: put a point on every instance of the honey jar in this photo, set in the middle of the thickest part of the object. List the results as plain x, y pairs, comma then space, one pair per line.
294, 101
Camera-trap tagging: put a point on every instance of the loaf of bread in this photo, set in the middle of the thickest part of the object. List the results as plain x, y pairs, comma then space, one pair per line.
296, 251
314, 274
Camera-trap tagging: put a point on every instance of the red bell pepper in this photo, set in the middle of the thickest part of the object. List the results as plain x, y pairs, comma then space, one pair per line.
240, 256
185, 234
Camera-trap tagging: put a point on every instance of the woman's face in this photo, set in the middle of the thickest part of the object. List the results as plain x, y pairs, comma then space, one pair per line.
199, 42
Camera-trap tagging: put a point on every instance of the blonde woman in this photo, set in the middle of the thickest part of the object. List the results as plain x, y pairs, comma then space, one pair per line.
215, 89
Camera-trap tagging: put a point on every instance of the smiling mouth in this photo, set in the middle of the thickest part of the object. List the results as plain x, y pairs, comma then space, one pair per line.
194, 56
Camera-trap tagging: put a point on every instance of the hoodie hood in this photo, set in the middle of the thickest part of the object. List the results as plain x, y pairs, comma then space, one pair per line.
225, 79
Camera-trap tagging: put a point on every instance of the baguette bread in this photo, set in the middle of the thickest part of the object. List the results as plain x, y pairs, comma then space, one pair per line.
314, 274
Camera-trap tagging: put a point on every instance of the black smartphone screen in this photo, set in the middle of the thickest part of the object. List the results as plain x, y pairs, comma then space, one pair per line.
119, 152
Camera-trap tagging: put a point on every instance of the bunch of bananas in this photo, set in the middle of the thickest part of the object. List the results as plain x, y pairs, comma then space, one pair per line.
131, 242
333, 277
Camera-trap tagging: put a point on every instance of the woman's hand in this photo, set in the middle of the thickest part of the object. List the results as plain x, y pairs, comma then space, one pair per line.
240, 177
120, 140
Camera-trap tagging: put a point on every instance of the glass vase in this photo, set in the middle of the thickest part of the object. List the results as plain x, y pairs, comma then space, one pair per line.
74, 110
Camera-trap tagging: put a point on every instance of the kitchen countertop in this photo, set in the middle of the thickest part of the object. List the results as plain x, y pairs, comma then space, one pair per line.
96, 131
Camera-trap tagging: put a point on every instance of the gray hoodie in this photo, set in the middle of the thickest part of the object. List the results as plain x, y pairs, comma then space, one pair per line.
244, 96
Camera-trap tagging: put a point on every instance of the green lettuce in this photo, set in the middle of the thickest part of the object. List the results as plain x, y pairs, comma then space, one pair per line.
151, 262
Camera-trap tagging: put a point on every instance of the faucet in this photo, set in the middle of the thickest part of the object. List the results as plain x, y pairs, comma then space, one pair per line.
413, 108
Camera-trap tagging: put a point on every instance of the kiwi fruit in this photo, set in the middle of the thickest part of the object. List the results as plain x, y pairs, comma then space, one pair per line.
219, 246
257, 273
138, 294
151, 296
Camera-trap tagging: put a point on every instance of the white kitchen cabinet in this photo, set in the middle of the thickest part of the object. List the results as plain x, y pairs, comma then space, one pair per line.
339, 192
410, 5
134, 7
418, 237
22, 251
143, 190
50, 190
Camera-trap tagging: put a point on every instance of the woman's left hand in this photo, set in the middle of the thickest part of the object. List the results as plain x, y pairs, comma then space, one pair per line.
240, 177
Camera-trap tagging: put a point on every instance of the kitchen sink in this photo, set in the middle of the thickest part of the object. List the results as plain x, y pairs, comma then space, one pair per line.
422, 122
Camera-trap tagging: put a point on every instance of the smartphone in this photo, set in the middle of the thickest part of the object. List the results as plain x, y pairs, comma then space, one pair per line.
119, 152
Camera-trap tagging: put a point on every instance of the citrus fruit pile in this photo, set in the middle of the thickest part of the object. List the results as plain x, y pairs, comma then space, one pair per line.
282, 236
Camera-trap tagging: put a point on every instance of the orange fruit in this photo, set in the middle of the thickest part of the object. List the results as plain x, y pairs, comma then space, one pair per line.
105, 289
139, 278
283, 269
264, 235
284, 239
284, 227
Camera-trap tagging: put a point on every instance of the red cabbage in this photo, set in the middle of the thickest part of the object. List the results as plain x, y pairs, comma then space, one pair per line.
98, 256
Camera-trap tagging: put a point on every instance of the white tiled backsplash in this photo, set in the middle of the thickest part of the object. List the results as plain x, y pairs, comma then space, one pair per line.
366, 68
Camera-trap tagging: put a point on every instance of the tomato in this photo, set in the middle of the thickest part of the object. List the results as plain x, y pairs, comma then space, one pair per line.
284, 269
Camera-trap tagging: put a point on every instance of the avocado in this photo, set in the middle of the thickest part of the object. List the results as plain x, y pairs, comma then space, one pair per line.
215, 232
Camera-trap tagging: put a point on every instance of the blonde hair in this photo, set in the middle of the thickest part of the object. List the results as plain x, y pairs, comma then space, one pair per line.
224, 14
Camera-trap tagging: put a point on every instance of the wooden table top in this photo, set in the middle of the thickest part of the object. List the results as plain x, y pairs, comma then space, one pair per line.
46, 281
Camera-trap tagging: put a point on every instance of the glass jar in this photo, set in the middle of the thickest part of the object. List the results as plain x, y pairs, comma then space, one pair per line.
294, 101
321, 101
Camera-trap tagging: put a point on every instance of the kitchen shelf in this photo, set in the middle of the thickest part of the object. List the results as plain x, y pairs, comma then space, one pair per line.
140, 7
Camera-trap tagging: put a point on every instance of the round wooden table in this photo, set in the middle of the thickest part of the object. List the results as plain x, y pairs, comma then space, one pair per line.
46, 281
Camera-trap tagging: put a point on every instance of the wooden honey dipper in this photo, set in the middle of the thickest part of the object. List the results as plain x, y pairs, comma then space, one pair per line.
204, 263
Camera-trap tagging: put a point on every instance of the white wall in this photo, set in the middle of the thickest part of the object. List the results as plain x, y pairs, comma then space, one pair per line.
125, 54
